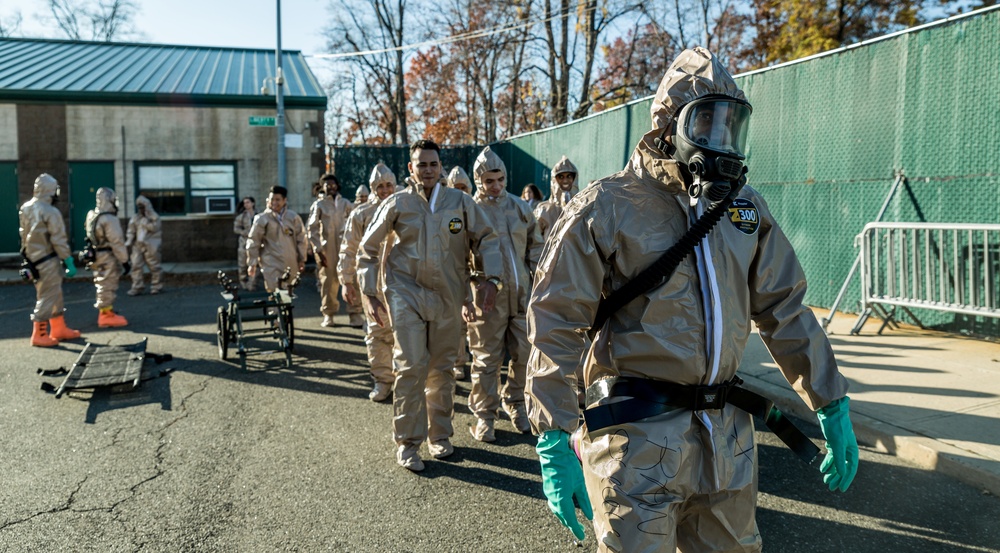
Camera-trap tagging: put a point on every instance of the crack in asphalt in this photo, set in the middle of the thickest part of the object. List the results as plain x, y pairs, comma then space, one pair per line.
182, 413
66, 506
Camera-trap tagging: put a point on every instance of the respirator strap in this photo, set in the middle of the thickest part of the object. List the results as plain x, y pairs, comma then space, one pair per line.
663, 268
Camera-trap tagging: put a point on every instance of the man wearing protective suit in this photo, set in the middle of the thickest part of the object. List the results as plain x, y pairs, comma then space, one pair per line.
459, 180
667, 464
495, 335
111, 257
378, 339
277, 242
563, 186
327, 219
144, 237
436, 228
45, 250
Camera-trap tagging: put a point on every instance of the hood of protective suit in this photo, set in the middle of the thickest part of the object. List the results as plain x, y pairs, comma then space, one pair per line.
695, 73
46, 186
487, 161
107, 200
362, 191
146, 204
564, 165
458, 175
379, 174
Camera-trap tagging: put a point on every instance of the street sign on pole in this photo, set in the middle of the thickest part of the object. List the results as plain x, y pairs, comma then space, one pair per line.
261, 121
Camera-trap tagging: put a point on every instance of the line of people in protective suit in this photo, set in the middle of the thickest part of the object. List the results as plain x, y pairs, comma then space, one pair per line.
672, 465
434, 266
111, 253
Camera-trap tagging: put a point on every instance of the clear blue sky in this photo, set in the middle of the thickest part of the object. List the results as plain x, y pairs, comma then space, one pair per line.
239, 23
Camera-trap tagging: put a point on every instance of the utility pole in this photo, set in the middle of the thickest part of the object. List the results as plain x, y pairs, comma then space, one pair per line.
279, 84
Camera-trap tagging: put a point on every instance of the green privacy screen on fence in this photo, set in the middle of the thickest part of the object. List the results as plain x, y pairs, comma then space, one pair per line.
354, 164
828, 134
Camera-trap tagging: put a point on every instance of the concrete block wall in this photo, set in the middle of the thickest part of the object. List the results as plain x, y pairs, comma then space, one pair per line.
95, 132
47, 137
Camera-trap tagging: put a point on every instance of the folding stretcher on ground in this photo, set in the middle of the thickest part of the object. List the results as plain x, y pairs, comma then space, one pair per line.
271, 311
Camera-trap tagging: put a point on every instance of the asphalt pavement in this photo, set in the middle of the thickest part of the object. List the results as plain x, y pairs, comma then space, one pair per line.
215, 458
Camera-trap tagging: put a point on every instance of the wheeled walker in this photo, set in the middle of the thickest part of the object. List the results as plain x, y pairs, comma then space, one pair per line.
271, 310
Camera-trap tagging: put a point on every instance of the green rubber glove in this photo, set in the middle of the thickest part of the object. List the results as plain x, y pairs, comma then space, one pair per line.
70, 267
841, 462
562, 480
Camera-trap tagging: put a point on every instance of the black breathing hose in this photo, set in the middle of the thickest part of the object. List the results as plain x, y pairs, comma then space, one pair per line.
663, 268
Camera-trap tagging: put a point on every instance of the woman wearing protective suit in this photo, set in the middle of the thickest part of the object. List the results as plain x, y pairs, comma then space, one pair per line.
563, 187
111, 258
502, 332
378, 339
671, 465
43, 245
241, 228
144, 237
361, 195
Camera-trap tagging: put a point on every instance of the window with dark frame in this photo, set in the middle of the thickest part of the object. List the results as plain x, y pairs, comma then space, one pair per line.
180, 188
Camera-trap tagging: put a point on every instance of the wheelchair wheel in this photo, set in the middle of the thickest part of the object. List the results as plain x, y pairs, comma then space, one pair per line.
222, 332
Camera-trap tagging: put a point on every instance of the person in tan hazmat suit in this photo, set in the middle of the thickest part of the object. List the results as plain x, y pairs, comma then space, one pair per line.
111, 260
362, 195
378, 339
504, 330
241, 228
45, 249
459, 180
668, 464
426, 284
327, 220
144, 237
563, 186
277, 242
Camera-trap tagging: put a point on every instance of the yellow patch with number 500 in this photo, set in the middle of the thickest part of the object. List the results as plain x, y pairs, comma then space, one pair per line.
744, 216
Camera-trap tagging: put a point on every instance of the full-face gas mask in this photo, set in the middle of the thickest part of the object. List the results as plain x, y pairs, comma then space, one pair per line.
709, 141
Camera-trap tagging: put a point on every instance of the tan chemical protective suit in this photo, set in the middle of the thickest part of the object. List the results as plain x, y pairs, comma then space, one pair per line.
105, 233
548, 212
459, 180
145, 237
504, 330
425, 286
684, 478
327, 220
277, 241
241, 228
378, 339
43, 232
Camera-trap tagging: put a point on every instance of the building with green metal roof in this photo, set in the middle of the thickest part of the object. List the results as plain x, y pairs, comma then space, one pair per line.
188, 127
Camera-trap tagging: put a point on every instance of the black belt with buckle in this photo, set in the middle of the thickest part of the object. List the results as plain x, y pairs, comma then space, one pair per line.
649, 398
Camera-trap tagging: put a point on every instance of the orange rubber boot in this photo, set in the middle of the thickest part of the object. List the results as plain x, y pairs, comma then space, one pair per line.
107, 318
40, 335
60, 331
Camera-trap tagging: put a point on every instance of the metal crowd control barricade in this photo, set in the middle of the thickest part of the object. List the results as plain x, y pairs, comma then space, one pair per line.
952, 267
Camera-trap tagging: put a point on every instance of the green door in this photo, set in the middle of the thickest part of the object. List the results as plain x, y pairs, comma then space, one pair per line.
10, 241
85, 177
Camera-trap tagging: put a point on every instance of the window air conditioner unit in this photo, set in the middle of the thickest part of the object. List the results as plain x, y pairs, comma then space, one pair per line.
220, 204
